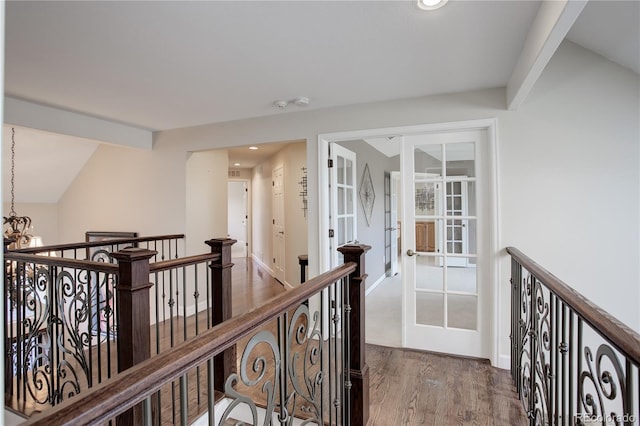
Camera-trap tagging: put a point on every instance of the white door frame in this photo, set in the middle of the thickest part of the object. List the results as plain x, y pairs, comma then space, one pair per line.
490, 125
249, 248
279, 264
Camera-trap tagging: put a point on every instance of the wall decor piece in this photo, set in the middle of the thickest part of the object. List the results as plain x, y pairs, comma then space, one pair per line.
303, 191
367, 194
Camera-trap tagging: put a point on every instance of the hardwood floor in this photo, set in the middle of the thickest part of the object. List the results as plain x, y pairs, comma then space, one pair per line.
420, 388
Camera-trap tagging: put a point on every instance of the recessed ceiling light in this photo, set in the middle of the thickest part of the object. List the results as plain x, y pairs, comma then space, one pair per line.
236, 164
253, 147
431, 4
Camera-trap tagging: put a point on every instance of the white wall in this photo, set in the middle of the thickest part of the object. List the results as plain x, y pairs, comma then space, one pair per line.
569, 166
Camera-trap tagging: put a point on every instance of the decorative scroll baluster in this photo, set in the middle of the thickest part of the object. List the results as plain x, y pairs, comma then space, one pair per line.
575, 364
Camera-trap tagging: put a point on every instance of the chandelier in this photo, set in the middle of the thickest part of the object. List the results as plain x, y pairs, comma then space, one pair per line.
16, 227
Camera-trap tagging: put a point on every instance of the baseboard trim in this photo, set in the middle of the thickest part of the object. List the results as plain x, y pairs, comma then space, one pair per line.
374, 285
262, 265
504, 362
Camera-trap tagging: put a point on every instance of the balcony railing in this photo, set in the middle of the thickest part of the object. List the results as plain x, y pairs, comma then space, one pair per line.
572, 362
70, 324
299, 362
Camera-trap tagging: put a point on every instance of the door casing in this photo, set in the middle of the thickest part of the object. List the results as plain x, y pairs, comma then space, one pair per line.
490, 125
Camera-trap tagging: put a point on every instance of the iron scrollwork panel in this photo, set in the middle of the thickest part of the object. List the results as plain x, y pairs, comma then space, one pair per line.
62, 315
536, 378
288, 372
601, 387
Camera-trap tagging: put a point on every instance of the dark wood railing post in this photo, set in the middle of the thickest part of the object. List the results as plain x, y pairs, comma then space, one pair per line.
134, 317
303, 261
359, 369
225, 363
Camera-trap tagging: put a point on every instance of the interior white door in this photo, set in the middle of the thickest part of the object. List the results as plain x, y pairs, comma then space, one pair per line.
237, 217
343, 213
279, 263
444, 282
395, 232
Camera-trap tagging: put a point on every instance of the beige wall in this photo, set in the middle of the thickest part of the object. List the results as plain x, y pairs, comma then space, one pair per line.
292, 158
126, 189
206, 199
568, 163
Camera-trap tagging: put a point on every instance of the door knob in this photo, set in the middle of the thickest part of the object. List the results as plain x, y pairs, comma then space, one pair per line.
412, 253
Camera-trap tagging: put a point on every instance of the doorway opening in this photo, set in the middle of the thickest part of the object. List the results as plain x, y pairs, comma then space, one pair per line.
449, 231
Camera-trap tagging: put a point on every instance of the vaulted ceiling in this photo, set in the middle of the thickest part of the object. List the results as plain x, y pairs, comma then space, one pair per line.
159, 65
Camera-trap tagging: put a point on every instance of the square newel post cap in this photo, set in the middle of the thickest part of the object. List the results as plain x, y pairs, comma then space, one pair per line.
220, 242
354, 249
132, 254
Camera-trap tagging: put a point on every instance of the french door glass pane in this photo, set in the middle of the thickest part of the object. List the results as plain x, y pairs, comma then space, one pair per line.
429, 273
341, 170
462, 279
341, 204
427, 202
460, 159
350, 192
462, 311
428, 159
430, 309
349, 172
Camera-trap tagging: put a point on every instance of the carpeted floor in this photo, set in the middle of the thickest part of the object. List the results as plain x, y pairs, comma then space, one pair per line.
384, 305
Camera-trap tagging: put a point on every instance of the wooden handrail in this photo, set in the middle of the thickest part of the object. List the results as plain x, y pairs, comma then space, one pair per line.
134, 385
182, 261
109, 268
115, 241
618, 334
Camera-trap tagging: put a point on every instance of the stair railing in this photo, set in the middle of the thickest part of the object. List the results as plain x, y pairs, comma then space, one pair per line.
571, 362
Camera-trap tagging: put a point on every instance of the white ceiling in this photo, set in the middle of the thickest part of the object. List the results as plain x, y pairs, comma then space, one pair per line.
168, 64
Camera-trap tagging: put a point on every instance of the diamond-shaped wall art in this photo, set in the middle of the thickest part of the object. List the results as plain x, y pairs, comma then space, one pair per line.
367, 194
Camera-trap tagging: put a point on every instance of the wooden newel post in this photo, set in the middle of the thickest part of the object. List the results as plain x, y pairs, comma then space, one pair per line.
359, 368
224, 363
134, 317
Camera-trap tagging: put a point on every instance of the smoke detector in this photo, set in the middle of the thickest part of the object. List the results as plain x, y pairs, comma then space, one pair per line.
280, 104
301, 101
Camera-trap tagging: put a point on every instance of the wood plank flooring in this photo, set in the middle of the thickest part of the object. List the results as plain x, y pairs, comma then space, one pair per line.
421, 388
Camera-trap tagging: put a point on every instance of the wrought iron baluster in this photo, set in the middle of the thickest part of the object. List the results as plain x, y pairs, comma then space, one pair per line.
184, 410
196, 294
210, 391
572, 363
346, 336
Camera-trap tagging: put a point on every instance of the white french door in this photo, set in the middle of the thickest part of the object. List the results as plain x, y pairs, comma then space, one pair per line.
445, 269
278, 224
343, 213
